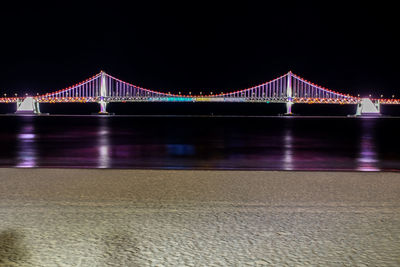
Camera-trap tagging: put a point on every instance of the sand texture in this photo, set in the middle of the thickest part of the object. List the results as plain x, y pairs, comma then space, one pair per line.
67, 217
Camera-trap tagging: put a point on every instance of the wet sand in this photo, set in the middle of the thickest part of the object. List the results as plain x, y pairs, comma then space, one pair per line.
67, 217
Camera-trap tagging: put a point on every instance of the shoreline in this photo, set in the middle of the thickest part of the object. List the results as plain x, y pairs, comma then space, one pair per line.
77, 168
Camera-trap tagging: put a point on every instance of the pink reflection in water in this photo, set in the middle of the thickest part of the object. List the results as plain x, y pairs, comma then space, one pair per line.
288, 151
367, 159
103, 145
26, 148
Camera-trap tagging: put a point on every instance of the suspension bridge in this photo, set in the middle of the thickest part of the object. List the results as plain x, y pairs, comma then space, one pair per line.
288, 89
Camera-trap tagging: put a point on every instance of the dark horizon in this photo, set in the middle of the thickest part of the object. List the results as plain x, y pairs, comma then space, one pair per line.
201, 46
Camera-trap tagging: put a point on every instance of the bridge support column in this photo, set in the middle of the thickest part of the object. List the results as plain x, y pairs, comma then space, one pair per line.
28, 105
103, 107
367, 108
289, 99
289, 108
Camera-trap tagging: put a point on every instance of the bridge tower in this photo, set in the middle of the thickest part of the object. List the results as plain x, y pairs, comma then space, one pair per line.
289, 100
28, 105
103, 93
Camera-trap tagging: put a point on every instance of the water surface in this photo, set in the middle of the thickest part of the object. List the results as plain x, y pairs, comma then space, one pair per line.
200, 142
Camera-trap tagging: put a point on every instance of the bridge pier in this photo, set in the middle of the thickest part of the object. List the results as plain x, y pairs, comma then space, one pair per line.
103, 107
289, 108
368, 108
28, 105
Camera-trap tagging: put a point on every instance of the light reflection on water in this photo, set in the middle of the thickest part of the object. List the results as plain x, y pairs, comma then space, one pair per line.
202, 143
367, 159
103, 144
180, 149
288, 150
26, 145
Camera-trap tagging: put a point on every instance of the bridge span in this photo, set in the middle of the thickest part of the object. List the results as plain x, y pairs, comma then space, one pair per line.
288, 89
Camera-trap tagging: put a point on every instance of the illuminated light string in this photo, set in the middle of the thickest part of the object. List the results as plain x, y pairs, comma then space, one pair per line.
63, 93
322, 88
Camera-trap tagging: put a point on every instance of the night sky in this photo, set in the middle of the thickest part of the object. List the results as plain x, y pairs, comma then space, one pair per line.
200, 45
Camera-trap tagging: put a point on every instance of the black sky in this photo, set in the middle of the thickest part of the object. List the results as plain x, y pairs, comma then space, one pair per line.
196, 45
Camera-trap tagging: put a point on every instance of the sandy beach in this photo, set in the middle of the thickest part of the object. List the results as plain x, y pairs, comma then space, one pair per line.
69, 217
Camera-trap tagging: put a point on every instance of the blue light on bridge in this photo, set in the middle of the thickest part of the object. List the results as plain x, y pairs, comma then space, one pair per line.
172, 99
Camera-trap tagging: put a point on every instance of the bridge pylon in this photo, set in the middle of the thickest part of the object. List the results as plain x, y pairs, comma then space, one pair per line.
103, 94
289, 99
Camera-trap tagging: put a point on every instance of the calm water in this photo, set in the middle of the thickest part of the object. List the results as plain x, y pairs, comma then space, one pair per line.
264, 143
